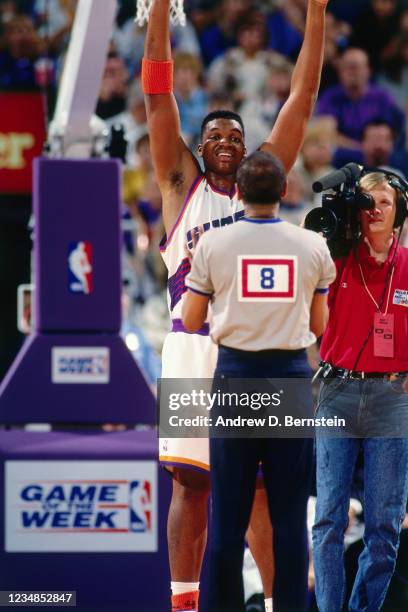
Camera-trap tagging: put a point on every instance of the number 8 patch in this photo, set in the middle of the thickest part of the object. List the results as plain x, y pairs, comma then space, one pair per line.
263, 278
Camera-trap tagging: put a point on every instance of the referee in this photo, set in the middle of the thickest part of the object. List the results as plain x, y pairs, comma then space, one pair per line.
267, 281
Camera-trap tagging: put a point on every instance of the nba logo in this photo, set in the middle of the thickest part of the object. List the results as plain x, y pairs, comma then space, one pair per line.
140, 506
80, 271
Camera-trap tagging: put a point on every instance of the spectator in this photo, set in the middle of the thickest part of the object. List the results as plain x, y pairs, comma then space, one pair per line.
377, 149
133, 119
375, 29
243, 70
260, 113
135, 179
394, 76
140, 190
316, 156
8, 10
220, 101
378, 144
295, 11
55, 21
337, 34
355, 101
21, 47
202, 13
293, 207
191, 98
284, 38
219, 37
129, 40
112, 97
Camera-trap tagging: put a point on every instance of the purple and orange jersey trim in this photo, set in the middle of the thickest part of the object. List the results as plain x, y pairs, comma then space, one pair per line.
176, 284
166, 240
172, 462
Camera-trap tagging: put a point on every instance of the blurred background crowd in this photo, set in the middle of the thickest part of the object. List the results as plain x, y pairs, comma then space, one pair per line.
233, 54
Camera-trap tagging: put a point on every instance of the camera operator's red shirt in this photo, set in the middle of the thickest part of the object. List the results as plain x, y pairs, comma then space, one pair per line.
352, 311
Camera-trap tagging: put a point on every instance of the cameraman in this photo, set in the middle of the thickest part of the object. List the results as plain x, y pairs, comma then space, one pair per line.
365, 348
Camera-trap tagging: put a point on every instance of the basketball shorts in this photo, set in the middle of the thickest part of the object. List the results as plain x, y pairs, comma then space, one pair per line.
187, 356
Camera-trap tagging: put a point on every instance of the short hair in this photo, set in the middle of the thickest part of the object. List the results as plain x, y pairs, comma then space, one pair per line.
378, 122
222, 114
373, 179
261, 178
182, 59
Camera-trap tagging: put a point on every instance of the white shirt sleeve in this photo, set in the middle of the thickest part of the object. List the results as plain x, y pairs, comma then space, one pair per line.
328, 269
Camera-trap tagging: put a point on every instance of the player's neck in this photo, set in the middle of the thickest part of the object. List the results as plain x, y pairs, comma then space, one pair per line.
226, 184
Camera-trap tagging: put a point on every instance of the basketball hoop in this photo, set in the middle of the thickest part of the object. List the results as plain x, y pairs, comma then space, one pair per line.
177, 14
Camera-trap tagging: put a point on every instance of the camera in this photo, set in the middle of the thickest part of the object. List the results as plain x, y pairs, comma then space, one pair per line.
338, 219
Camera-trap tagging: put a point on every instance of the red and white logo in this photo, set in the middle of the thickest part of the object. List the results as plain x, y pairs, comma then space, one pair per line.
80, 267
263, 278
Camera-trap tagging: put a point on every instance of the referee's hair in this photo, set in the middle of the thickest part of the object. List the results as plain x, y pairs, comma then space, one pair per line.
261, 179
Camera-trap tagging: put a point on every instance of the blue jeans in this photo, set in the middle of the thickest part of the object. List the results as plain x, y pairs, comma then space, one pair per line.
363, 404
287, 469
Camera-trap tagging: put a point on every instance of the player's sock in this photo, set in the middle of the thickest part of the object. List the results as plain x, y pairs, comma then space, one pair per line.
268, 605
185, 596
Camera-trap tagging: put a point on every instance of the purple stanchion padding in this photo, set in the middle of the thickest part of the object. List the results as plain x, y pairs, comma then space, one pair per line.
120, 581
75, 367
76, 206
29, 395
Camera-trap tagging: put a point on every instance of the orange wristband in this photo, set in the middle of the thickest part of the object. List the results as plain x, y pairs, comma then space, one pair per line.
157, 77
321, 2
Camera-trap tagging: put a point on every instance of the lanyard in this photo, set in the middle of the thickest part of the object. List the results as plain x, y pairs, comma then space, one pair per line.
371, 295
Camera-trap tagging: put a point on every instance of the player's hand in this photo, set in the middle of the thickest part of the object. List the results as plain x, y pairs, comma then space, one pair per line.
196, 235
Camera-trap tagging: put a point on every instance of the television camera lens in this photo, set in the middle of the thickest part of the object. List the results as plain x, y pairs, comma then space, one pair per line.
322, 220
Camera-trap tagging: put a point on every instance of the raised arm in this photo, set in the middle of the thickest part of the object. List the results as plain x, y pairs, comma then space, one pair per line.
288, 132
174, 164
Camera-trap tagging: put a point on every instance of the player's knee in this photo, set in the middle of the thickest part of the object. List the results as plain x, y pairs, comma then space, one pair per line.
190, 483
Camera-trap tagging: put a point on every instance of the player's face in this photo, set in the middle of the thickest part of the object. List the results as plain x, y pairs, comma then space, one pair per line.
382, 217
223, 146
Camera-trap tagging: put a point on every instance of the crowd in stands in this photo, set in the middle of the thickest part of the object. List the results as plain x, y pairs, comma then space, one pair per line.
238, 55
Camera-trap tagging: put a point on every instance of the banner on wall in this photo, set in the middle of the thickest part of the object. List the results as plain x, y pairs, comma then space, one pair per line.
22, 137
81, 506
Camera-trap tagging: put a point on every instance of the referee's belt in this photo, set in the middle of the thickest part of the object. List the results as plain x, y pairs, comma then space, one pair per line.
328, 371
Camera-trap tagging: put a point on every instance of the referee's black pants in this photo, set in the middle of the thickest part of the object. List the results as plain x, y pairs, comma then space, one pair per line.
287, 470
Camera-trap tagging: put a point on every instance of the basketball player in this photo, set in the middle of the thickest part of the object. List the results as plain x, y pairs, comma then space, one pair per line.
194, 200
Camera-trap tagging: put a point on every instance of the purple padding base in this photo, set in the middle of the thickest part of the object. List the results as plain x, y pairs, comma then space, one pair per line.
104, 581
27, 394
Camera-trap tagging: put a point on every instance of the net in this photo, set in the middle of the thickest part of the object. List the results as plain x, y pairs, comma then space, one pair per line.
177, 14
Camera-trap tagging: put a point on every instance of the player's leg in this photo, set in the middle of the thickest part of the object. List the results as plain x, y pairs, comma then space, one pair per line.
259, 537
187, 524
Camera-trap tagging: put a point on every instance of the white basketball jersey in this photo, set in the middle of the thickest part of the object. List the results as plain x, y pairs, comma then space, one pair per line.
205, 207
